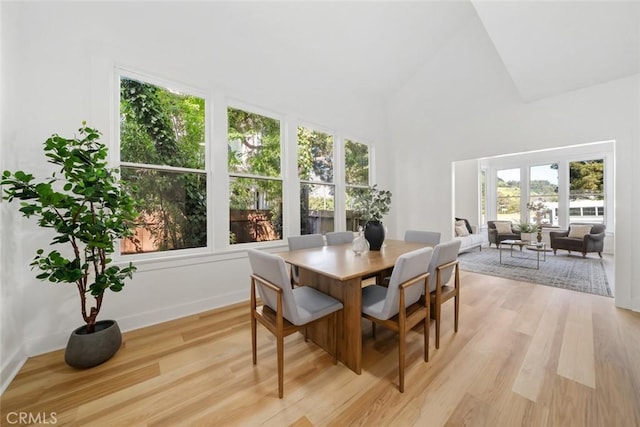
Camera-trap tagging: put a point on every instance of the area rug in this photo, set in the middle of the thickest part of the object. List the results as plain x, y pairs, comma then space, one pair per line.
562, 270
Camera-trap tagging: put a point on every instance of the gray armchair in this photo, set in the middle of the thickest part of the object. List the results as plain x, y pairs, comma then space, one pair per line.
591, 242
496, 237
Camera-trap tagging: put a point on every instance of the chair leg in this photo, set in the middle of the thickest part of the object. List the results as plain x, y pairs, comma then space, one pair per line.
401, 350
600, 254
437, 307
280, 349
456, 312
253, 338
373, 330
427, 325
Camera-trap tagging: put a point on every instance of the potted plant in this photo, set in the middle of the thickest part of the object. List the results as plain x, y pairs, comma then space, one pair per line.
371, 205
527, 231
88, 208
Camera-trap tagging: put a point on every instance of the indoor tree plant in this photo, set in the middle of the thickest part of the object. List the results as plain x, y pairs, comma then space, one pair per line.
88, 208
371, 205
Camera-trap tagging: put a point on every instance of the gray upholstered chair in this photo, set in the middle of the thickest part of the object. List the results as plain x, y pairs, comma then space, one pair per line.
399, 306
417, 236
429, 237
496, 236
285, 310
305, 241
444, 264
593, 241
339, 237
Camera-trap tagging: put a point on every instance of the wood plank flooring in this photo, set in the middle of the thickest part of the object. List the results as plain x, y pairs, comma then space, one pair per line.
524, 355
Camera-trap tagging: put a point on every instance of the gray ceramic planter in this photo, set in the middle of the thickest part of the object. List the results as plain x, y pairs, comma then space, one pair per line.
88, 350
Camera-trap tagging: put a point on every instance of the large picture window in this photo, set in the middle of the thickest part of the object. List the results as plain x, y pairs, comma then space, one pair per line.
356, 161
543, 188
586, 191
508, 195
315, 171
255, 177
162, 154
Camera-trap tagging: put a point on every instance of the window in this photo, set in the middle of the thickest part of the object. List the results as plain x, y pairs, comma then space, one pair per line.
543, 187
356, 162
586, 191
255, 199
162, 153
315, 171
508, 195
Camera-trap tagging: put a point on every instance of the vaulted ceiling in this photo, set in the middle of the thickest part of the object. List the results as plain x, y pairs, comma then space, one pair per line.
547, 47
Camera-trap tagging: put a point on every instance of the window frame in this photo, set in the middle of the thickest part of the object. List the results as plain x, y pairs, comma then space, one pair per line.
254, 109
370, 174
334, 182
115, 158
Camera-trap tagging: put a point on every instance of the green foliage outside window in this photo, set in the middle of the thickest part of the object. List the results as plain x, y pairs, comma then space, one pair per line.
255, 203
356, 160
158, 128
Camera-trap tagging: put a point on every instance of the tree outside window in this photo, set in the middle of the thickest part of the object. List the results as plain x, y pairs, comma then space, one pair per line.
162, 153
255, 187
586, 191
315, 171
356, 161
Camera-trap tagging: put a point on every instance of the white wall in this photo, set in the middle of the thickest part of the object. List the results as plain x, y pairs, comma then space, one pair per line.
463, 105
58, 62
466, 187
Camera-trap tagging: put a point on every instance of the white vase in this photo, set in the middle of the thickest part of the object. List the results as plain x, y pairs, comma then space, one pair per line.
528, 237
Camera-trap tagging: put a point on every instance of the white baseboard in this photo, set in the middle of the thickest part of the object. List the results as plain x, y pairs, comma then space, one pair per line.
10, 367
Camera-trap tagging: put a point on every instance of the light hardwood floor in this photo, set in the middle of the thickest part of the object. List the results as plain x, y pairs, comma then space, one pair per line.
524, 355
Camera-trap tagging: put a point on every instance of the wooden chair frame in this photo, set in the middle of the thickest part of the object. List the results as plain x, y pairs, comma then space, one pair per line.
279, 326
405, 320
444, 293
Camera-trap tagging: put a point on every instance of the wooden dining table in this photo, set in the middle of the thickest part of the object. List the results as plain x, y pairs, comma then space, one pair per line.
338, 271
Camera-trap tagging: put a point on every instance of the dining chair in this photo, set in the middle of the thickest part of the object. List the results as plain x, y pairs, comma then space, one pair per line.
417, 236
399, 307
444, 264
339, 237
285, 310
430, 237
304, 241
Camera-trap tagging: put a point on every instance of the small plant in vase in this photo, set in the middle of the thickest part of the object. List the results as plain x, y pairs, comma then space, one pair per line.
371, 205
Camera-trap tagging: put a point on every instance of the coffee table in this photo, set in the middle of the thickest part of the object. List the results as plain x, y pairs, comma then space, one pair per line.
538, 248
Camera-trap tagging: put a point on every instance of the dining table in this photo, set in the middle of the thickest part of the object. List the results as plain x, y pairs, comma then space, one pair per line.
338, 271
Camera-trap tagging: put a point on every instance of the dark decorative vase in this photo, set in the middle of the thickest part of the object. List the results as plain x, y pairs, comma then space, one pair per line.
88, 350
374, 233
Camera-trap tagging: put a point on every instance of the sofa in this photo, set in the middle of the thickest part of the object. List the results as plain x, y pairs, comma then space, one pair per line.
583, 238
467, 235
502, 230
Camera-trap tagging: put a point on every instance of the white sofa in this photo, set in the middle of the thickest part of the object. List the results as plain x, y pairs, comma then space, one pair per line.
472, 240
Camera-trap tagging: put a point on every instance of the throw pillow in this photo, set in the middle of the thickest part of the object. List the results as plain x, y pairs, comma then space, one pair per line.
466, 223
579, 231
461, 230
503, 227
